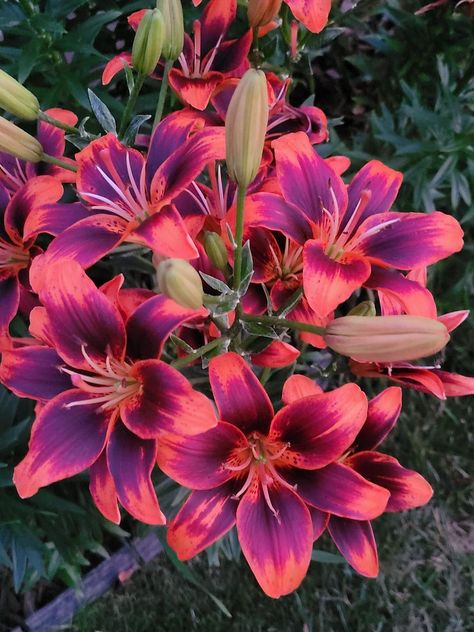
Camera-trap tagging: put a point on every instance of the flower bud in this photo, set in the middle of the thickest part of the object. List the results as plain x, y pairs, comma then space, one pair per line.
173, 40
246, 126
16, 99
148, 42
178, 280
366, 308
216, 250
18, 143
261, 12
386, 338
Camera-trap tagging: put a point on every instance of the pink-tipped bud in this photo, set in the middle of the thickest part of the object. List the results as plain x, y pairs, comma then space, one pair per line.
18, 143
386, 338
178, 280
16, 99
216, 250
261, 12
246, 127
148, 42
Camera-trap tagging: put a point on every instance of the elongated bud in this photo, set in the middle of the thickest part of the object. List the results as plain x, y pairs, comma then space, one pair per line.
178, 280
386, 338
18, 143
366, 308
216, 250
246, 126
16, 99
261, 12
173, 40
148, 42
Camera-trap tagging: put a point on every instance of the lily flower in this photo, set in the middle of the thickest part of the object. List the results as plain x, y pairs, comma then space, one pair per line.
241, 472
352, 535
106, 397
347, 233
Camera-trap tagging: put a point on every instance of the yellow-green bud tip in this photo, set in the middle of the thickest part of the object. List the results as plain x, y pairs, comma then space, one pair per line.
173, 41
16, 99
216, 250
178, 280
18, 143
148, 42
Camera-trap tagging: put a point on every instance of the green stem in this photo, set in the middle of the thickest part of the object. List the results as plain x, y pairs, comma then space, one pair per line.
239, 234
293, 300
255, 48
283, 323
163, 92
52, 121
182, 362
60, 163
265, 375
132, 100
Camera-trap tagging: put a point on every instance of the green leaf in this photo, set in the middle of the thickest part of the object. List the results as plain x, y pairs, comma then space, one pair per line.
247, 269
61, 8
28, 59
327, 558
132, 130
102, 113
216, 284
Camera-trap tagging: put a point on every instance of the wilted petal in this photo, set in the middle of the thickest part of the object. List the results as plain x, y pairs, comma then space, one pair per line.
277, 547
320, 428
240, 397
384, 410
204, 518
64, 441
355, 540
131, 461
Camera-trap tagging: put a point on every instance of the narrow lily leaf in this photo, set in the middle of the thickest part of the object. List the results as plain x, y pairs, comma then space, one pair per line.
216, 284
133, 128
247, 269
102, 113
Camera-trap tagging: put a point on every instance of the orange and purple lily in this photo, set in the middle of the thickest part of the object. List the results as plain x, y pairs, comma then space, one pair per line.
106, 397
241, 472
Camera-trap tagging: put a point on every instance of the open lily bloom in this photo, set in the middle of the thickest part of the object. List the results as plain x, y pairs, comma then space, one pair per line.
348, 233
312, 13
322, 488
129, 197
106, 397
242, 473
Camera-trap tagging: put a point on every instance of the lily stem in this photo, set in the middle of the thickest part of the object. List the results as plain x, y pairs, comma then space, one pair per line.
239, 234
57, 123
132, 101
198, 353
60, 163
283, 323
163, 92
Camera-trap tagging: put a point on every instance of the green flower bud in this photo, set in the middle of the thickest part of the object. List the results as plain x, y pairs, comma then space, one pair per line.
148, 42
173, 40
178, 280
246, 127
16, 99
366, 308
216, 250
18, 143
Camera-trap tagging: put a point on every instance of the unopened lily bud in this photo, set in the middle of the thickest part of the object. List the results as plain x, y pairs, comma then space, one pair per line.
216, 250
386, 338
173, 40
18, 143
178, 280
148, 42
261, 12
246, 126
366, 308
16, 99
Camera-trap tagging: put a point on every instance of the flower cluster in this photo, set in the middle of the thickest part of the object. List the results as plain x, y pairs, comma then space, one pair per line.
257, 247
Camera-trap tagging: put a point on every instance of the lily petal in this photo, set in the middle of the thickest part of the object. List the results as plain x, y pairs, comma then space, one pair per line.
102, 489
298, 386
382, 415
355, 540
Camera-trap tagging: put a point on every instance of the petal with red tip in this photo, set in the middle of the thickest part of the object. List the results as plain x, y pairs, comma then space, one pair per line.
131, 461
204, 518
166, 402
81, 316
298, 386
452, 320
195, 91
340, 490
10, 293
314, 14
199, 462
384, 410
407, 488
306, 179
320, 428
276, 547
277, 355
165, 233
409, 240
355, 540
64, 441
34, 372
102, 489
115, 65
152, 322
240, 398
327, 282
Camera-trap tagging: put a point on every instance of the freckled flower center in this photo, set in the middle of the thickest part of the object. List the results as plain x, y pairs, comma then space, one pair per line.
13, 256
109, 385
197, 69
257, 460
290, 263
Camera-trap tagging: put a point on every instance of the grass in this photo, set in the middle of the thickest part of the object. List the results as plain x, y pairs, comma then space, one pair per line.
426, 560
